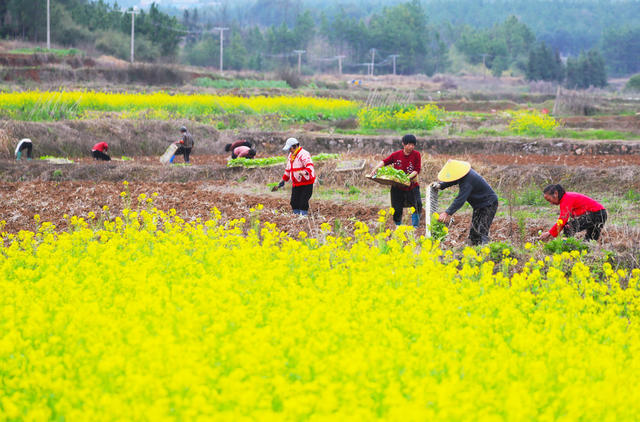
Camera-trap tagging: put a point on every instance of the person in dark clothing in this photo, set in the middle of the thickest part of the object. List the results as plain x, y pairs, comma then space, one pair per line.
473, 189
22, 145
577, 213
184, 145
99, 151
408, 160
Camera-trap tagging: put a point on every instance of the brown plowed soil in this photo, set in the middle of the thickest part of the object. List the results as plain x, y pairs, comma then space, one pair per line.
20, 201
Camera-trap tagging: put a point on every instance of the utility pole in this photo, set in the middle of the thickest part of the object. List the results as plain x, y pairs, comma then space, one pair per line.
221, 29
373, 55
48, 25
393, 57
133, 12
340, 63
299, 53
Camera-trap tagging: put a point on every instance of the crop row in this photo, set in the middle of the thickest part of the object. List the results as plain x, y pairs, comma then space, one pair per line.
42, 106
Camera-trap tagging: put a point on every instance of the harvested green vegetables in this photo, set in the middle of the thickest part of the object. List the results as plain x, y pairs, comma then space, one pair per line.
390, 173
269, 161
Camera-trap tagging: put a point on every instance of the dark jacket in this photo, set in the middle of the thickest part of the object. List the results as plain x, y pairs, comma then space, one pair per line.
187, 140
473, 189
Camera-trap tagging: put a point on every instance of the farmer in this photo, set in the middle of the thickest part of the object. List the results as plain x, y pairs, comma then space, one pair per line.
473, 189
184, 145
239, 143
22, 145
243, 152
408, 160
99, 151
577, 213
299, 168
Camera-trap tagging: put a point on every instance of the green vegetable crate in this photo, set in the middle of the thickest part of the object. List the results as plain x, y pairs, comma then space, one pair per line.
390, 176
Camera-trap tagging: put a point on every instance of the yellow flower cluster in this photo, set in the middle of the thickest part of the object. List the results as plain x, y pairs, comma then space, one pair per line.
146, 316
39, 105
426, 118
532, 123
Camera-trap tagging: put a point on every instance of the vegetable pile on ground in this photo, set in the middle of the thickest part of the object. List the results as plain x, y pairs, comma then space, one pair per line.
270, 161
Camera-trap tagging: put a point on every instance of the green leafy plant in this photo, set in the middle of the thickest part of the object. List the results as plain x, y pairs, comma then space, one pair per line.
564, 244
438, 230
255, 162
391, 173
499, 250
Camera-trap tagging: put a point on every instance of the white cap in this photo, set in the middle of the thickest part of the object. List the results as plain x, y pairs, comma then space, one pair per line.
290, 142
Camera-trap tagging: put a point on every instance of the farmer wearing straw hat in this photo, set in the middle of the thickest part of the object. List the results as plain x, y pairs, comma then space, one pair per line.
408, 160
473, 189
299, 168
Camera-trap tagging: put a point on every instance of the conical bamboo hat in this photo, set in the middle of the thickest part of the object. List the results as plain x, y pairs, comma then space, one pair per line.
454, 170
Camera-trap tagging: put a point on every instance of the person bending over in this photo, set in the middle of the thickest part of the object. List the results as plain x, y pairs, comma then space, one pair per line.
577, 213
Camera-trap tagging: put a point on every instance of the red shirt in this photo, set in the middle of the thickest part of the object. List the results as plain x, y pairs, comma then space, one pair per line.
573, 204
100, 146
407, 163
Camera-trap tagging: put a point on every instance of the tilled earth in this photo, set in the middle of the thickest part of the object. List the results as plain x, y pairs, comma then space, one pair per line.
20, 201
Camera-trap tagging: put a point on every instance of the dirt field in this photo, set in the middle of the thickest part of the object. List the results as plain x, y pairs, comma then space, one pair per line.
21, 201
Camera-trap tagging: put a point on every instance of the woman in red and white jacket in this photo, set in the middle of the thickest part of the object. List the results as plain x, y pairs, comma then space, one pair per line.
300, 170
577, 213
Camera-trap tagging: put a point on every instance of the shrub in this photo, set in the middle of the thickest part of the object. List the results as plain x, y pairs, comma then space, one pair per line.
633, 84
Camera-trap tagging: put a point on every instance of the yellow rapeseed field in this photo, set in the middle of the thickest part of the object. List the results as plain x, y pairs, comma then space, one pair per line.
51, 105
147, 317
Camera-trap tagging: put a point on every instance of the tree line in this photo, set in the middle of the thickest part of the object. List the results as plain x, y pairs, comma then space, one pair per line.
400, 38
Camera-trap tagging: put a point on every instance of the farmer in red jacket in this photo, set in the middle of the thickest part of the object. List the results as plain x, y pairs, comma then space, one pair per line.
99, 151
299, 168
577, 213
408, 160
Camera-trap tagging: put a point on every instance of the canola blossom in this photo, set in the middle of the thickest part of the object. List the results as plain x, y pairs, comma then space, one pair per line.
531, 122
47, 105
146, 316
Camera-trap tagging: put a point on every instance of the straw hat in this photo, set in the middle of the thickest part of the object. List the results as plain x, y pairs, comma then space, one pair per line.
454, 170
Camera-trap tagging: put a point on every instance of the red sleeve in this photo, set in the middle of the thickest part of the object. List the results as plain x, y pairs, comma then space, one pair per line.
287, 169
565, 209
390, 159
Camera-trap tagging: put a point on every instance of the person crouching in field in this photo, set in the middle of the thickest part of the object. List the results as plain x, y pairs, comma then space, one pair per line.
99, 151
474, 190
22, 145
299, 168
243, 152
239, 143
577, 213
408, 160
